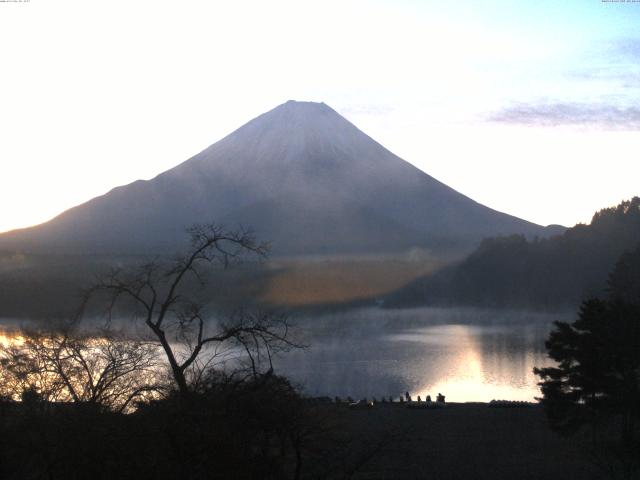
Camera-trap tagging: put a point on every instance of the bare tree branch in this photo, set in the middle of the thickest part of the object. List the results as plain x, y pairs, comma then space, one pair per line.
171, 310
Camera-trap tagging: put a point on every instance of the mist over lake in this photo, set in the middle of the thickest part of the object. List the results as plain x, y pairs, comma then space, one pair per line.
466, 354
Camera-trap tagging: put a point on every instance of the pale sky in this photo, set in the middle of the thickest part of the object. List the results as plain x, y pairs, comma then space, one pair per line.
529, 107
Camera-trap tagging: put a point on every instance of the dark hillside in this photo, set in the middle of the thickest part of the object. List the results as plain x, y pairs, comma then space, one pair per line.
541, 273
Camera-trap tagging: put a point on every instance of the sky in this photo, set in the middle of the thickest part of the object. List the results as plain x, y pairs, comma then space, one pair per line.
529, 107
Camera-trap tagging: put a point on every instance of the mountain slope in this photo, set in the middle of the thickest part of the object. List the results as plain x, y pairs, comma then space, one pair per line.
301, 176
512, 272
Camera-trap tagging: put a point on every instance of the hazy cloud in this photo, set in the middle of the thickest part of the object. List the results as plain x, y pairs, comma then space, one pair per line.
622, 76
613, 60
629, 47
555, 114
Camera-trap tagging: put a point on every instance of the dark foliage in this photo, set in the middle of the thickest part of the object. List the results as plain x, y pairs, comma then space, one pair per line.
542, 273
624, 281
597, 378
598, 359
261, 429
258, 428
254, 428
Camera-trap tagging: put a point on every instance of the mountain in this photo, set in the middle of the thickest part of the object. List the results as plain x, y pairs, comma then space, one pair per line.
302, 176
548, 273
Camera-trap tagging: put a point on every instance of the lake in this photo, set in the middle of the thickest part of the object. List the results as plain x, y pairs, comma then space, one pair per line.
465, 354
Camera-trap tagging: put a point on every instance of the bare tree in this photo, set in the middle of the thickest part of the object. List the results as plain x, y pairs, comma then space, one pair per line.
172, 312
65, 365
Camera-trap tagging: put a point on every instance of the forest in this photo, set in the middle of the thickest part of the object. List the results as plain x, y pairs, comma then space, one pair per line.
515, 272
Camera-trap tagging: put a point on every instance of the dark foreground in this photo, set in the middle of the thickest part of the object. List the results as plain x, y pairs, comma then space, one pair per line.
301, 439
469, 441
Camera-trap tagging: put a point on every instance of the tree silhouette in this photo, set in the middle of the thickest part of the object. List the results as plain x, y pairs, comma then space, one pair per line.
62, 364
597, 376
624, 281
173, 312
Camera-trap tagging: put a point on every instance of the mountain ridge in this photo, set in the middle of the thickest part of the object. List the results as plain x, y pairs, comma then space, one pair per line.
303, 176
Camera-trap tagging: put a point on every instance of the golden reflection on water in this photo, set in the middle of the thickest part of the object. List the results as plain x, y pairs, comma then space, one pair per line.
472, 375
469, 382
7, 337
466, 363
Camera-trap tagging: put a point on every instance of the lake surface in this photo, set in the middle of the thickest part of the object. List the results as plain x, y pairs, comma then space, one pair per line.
467, 355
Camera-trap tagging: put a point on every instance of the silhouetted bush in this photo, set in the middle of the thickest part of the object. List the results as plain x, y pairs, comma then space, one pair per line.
254, 428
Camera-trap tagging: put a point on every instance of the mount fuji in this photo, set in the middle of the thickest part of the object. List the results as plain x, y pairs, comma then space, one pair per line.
301, 176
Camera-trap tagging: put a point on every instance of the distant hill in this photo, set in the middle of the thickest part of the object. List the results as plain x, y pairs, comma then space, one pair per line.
302, 176
512, 271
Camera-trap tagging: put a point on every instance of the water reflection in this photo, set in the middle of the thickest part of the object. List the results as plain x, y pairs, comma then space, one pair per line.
464, 361
466, 354
7, 336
